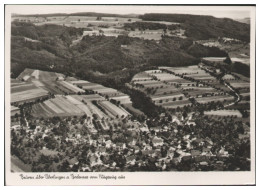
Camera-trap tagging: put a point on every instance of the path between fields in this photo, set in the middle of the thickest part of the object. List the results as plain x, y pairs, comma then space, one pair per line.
238, 96
230, 87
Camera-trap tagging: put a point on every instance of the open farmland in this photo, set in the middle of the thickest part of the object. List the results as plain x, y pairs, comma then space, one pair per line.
122, 99
239, 84
113, 109
176, 104
26, 92
205, 100
62, 106
224, 113
39, 75
183, 70
171, 87
71, 87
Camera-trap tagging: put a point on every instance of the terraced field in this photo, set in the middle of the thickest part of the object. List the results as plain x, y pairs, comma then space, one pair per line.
113, 109
26, 92
239, 84
61, 106
70, 87
205, 100
171, 87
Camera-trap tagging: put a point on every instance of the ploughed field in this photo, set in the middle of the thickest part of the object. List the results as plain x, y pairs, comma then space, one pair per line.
53, 94
22, 92
173, 87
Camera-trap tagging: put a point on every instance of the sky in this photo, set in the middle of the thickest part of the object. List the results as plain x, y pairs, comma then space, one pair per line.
234, 12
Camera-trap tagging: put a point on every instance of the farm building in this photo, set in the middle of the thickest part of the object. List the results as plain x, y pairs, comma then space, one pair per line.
14, 111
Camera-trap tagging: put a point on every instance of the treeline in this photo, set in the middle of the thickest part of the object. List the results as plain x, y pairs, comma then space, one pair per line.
198, 50
92, 14
204, 27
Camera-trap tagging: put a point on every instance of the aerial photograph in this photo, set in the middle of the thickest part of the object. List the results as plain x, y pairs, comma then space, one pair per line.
130, 89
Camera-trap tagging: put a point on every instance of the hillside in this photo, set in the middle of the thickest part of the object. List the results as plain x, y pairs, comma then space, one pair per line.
204, 27
98, 58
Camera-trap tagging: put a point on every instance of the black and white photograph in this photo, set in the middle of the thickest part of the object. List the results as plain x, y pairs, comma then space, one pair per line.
111, 92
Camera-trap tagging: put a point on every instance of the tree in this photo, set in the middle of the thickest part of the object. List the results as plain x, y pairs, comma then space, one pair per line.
227, 60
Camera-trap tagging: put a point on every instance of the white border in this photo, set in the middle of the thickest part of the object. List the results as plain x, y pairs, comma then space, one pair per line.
199, 180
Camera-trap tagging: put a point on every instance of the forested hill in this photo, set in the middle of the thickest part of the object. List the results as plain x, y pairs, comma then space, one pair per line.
204, 27
100, 58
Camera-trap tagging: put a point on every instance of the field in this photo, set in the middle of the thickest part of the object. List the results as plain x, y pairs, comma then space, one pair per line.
184, 70
61, 106
224, 113
201, 91
205, 100
39, 75
26, 92
176, 104
123, 99
113, 109
239, 84
70, 87
214, 59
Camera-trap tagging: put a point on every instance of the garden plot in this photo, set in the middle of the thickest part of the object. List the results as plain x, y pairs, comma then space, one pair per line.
184, 70
166, 77
123, 99
113, 109
23, 87
37, 83
242, 77
61, 106
52, 87
239, 84
28, 95
66, 105
52, 105
199, 92
224, 113
205, 100
42, 110
168, 98
176, 104
87, 99
80, 105
164, 91
15, 82
91, 86
71, 87
214, 59
79, 83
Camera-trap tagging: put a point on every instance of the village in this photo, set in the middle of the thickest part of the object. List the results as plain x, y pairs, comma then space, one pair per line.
61, 123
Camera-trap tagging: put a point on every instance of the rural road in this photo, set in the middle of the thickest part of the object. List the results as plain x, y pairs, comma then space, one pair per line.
238, 96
